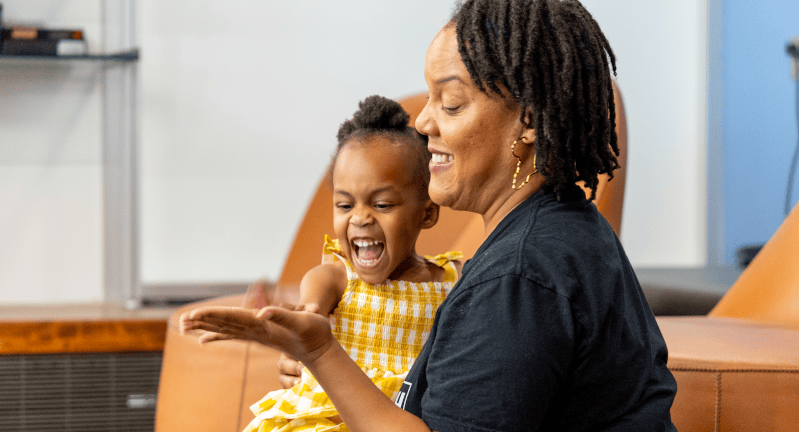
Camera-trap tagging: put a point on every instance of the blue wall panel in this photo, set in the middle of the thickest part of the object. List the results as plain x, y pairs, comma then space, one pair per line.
759, 130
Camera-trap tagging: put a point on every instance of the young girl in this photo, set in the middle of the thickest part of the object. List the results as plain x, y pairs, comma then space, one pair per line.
381, 294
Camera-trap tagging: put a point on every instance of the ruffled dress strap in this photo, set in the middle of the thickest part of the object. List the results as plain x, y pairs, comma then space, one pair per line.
331, 251
445, 261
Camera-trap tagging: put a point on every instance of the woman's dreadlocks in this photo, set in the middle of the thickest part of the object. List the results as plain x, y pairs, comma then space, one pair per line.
552, 58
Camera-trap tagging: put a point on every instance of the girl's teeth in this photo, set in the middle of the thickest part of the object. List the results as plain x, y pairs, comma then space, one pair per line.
368, 252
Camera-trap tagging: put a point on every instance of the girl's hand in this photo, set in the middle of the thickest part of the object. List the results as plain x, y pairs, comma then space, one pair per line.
290, 371
308, 307
302, 335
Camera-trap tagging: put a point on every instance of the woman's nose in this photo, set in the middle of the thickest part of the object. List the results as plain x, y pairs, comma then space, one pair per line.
424, 122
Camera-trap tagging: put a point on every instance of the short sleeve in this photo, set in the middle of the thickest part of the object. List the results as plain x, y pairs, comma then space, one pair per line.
501, 352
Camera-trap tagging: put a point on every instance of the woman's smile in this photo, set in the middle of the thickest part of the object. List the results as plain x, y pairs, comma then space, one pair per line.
440, 161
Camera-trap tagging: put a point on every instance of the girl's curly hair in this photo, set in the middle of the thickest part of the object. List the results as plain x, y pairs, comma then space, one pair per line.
380, 116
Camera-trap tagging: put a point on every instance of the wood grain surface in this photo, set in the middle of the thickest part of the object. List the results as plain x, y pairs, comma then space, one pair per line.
83, 328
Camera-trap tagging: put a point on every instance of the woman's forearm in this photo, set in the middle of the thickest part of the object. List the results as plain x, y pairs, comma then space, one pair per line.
307, 337
362, 406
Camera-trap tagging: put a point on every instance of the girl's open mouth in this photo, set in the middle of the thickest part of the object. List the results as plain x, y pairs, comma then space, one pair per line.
367, 252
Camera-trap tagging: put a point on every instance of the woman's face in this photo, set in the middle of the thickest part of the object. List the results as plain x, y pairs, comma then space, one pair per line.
470, 133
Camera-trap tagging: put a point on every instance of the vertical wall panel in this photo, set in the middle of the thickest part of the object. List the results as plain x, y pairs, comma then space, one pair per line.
759, 118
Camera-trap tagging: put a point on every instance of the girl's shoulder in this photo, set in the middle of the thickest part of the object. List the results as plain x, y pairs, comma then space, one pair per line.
325, 278
458, 264
450, 263
334, 271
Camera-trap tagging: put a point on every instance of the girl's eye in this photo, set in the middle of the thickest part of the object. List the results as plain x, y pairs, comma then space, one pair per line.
383, 206
344, 207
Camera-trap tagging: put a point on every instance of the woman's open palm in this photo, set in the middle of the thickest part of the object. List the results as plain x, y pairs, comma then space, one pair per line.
303, 335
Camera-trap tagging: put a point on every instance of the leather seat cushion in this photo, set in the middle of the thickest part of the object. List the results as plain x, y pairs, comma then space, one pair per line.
732, 374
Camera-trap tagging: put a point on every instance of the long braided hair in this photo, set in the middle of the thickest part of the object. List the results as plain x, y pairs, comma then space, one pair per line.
552, 58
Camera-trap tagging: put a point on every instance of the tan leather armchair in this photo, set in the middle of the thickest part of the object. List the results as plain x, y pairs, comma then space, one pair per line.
211, 388
737, 368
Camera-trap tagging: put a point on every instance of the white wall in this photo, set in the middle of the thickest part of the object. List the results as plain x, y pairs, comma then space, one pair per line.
661, 54
239, 117
240, 103
50, 178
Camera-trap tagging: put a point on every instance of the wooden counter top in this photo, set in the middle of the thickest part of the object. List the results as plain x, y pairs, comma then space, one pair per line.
81, 328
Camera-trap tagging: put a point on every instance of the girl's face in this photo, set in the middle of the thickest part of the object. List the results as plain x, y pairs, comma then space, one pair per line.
378, 211
469, 133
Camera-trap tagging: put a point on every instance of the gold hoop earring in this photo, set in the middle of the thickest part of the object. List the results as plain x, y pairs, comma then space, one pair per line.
518, 165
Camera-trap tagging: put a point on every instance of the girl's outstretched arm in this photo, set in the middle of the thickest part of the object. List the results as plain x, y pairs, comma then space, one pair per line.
307, 337
323, 286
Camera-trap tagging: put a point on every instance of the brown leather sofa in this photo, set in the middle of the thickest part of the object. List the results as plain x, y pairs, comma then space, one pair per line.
737, 368
210, 388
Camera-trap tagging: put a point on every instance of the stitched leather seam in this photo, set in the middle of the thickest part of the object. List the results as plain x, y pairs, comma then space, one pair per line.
718, 375
243, 384
735, 370
717, 422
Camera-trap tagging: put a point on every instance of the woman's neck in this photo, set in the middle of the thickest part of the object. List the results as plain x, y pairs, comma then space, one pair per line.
503, 206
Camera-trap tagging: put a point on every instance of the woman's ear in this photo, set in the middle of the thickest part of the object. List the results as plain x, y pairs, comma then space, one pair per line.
430, 214
528, 131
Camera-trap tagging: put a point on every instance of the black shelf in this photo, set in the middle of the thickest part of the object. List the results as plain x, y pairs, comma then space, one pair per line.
123, 56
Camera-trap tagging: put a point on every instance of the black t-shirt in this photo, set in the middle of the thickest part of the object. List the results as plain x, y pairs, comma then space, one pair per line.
547, 330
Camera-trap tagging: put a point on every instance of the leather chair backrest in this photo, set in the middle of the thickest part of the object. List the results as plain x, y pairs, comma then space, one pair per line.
768, 290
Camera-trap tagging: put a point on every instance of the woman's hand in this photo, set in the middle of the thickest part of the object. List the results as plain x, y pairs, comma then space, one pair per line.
306, 336
300, 334
290, 369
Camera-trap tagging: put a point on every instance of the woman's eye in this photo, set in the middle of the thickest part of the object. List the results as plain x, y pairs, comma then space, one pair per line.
451, 110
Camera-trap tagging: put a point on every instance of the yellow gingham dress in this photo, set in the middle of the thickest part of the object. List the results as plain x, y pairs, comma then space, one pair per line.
382, 327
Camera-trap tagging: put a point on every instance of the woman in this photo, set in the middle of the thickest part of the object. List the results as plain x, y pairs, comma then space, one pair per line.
548, 328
